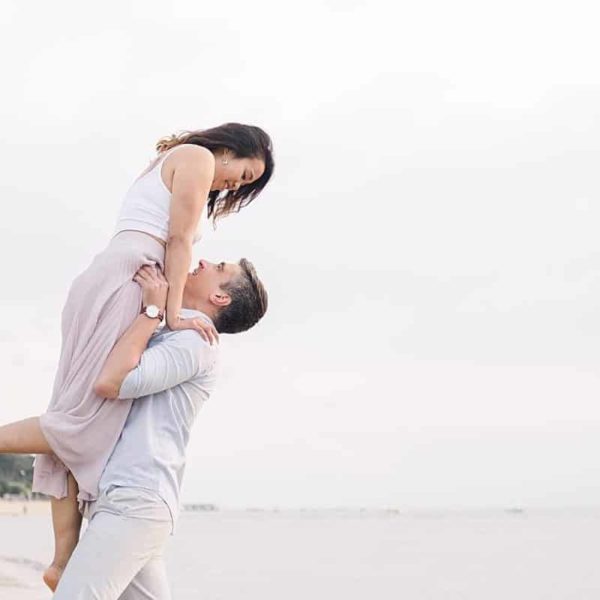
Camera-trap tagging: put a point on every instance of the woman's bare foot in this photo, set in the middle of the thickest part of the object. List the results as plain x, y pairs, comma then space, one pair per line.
52, 576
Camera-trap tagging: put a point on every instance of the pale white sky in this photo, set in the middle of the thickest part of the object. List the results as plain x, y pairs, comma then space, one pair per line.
430, 240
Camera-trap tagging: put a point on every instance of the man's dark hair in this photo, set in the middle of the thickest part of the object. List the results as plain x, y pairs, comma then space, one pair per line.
249, 301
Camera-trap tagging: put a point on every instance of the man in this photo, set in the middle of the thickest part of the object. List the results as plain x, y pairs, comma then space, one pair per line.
171, 373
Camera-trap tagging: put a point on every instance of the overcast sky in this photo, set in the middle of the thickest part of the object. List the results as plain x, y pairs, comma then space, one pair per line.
430, 240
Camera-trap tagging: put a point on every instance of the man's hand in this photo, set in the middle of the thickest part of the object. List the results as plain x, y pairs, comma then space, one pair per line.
154, 286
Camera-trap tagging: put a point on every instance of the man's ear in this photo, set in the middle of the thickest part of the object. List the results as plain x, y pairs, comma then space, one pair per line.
220, 299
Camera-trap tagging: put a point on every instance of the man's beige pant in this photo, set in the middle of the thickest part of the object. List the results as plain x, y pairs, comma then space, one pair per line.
119, 556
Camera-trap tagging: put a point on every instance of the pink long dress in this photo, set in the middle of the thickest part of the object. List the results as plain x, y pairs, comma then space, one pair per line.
82, 428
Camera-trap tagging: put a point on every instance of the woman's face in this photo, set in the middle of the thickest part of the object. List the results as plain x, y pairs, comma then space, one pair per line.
232, 173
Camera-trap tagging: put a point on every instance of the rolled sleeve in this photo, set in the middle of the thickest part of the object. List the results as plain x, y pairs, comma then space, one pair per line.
166, 364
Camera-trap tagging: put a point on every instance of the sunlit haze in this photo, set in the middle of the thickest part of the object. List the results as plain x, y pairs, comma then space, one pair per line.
430, 240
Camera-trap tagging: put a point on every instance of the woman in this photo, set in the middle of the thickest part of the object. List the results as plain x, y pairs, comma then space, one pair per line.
217, 171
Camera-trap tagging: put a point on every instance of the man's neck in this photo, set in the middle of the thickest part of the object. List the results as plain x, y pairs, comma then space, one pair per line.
198, 307
191, 303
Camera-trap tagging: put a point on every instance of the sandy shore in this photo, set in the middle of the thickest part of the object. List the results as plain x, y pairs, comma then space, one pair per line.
20, 578
423, 555
22, 507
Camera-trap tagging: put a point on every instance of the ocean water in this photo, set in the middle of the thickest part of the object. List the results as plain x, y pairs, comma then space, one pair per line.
300, 555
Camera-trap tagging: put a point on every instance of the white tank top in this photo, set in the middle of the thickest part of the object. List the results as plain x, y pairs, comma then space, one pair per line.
146, 205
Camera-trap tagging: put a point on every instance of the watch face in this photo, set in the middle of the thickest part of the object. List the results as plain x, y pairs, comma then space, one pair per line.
152, 311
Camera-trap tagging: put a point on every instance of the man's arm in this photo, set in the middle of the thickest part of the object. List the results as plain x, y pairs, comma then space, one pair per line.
124, 357
128, 351
169, 362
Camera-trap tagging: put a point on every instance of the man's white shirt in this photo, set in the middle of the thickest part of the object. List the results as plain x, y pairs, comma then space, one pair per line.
175, 376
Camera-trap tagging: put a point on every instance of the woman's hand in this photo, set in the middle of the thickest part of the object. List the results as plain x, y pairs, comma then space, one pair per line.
206, 330
154, 286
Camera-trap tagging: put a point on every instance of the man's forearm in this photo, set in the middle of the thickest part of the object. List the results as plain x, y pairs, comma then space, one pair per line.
125, 356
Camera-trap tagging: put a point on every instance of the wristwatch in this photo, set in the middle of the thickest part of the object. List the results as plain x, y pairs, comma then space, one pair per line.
152, 312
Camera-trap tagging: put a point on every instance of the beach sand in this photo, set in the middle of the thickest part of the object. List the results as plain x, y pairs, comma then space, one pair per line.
21, 580
21, 575
15, 508
350, 555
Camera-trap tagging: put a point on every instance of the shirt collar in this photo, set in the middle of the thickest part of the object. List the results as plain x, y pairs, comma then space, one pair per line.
191, 313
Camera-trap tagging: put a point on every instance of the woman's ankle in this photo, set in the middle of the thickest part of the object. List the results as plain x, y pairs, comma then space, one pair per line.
63, 551
59, 563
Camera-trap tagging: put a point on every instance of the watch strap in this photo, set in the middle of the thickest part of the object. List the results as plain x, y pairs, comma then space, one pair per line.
160, 316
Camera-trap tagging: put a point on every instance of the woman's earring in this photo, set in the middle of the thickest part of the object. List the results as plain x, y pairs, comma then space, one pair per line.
225, 161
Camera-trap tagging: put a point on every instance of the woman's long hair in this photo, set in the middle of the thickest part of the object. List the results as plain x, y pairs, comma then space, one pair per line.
244, 141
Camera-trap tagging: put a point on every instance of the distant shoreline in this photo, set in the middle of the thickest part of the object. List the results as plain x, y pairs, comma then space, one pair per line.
18, 507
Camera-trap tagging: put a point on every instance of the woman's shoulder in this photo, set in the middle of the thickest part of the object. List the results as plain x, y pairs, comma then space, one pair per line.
189, 152
187, 158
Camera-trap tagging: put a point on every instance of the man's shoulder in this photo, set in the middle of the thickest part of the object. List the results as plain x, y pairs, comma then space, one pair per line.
192, 341
185, 336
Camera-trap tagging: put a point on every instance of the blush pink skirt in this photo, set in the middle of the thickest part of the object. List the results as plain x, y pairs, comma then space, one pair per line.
82, 428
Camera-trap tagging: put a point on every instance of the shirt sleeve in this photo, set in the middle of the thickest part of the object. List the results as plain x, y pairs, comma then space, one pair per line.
168, 363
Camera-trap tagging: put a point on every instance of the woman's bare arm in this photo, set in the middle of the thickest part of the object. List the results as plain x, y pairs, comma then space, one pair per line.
192, 180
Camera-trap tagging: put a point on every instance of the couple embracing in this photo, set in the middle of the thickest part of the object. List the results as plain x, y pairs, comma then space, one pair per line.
111, 445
